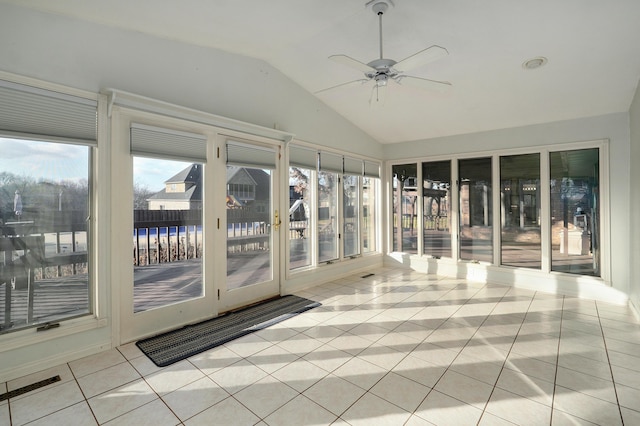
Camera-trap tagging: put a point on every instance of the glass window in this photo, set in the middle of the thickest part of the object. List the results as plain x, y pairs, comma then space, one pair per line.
167, 232
299, 235
327, 216
575, 216
45, 200
520, 210
405, 195
351, 215
475, 210
369, 217
436, 198
249, 255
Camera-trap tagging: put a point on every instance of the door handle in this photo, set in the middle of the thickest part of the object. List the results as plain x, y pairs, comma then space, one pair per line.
277, 222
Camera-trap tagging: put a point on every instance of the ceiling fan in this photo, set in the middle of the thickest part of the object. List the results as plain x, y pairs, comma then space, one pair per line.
381, 70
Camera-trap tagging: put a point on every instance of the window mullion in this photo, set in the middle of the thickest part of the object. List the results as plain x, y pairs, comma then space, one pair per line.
420, 209
496, 217
455, 210
545, 211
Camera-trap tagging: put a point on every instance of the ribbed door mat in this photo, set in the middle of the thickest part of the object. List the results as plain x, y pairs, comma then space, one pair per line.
173, 346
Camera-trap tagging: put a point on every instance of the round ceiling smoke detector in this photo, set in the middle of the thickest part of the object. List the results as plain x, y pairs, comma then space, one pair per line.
534, 63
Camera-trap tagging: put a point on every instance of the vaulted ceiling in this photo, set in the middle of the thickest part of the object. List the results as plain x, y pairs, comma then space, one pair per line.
591, 45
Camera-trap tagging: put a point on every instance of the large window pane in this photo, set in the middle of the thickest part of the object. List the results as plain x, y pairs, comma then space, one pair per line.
475, 210
327, 216
299, 249
167, 234
369, 218
351, 215
44, 232
249, 255
520, 210
436, 196
575, 218
405, 196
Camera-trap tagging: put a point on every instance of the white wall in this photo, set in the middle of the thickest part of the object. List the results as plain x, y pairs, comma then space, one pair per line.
634, 195
614, 127
93, 57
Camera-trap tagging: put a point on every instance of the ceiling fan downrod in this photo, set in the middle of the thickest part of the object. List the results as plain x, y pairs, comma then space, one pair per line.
379, 7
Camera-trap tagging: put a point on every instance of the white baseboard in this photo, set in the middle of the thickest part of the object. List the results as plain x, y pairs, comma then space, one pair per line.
566, 284
52, 361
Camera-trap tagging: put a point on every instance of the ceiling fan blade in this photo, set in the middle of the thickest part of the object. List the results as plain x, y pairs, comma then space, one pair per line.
353, 63
423, 83
423, 57
353, 82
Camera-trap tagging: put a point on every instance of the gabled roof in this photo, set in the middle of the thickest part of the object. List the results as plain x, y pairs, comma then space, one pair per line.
194, 193
234, 170
259, 177
192, 174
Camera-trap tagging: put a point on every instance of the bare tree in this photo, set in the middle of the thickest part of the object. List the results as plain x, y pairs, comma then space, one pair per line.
141, 194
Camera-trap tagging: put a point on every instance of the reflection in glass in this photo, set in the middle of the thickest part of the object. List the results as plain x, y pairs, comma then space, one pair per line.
369, 219
248, 226
351, 223
167, 232
405, 195
476, 241
575, 218
327, 216
520, 210
436, 196
44, 232
299, 216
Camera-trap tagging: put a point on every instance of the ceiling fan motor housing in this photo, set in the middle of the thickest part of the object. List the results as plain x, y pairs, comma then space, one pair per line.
382, 67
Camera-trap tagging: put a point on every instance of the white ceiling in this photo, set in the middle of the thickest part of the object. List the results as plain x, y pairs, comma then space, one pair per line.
592, 47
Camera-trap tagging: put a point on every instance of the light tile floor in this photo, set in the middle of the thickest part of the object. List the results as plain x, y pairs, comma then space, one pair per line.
396, 348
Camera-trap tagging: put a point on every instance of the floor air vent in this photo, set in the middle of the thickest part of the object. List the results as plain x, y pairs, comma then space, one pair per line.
367, 275
29, 388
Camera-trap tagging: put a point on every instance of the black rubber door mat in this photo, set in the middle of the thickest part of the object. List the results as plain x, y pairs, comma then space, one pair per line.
173, 346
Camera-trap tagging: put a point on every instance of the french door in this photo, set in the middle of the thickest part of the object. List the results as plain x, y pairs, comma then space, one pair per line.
252, 223
200, 211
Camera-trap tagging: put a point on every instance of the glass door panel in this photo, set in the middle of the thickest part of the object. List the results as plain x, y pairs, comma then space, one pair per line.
167, 232
253, 223
249, 210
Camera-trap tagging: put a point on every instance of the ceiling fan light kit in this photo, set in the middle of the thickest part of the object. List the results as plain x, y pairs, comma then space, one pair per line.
382, 70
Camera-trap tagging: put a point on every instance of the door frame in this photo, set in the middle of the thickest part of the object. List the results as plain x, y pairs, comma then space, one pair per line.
228, 300
131, 326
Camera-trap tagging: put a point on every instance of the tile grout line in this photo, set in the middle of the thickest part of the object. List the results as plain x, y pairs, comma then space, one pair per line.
606, 351
86, 400
372, 386
484, 410
555, 376
465, 345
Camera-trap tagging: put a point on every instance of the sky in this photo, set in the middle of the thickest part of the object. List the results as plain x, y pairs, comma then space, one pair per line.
58, 161
43, 160
153, 172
